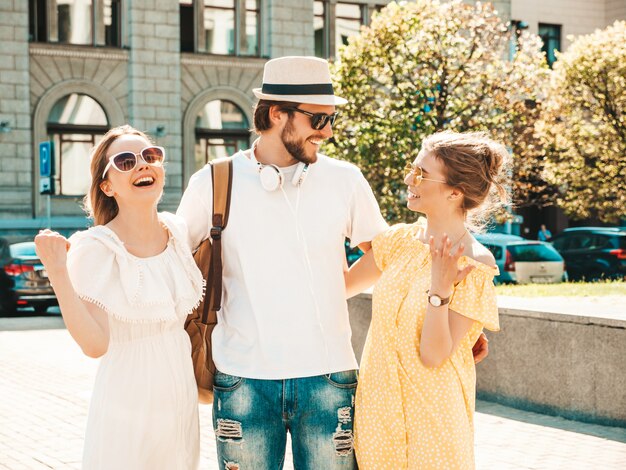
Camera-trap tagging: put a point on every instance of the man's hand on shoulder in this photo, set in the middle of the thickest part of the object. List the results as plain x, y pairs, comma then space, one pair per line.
481, 348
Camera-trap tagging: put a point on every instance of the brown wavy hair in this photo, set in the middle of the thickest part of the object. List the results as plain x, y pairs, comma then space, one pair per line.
100, 207
478, 167
261, 115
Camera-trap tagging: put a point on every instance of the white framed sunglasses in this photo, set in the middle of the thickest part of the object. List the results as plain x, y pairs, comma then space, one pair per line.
127, 161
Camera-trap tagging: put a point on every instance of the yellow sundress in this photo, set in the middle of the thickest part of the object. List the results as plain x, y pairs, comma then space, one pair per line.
408, 416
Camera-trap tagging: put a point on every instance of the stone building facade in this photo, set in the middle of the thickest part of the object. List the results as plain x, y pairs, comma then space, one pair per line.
182, 70
59, 83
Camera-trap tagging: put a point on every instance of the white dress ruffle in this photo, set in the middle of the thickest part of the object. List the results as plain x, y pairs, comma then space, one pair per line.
144, 407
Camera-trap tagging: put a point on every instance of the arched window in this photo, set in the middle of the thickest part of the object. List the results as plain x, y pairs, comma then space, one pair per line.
76, 124
221, 130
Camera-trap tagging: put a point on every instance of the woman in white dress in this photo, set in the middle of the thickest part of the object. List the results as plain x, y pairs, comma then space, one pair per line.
125, 287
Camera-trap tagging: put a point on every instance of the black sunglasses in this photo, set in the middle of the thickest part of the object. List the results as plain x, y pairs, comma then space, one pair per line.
318, 120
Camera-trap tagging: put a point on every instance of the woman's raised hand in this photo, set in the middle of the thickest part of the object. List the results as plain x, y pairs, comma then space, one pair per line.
51, 247
445, 272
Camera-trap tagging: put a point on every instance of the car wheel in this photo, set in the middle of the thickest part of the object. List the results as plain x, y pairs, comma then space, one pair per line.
8, 308
40, 309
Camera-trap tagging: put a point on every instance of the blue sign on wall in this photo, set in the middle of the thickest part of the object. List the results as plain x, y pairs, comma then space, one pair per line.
45, 159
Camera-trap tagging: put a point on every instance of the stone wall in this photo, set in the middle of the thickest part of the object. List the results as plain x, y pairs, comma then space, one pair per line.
576, 17
291, 26
551, 363
16, 169
615, 10
566, 365
154, 77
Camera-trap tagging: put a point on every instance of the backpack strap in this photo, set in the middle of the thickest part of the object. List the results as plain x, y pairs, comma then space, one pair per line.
222, 178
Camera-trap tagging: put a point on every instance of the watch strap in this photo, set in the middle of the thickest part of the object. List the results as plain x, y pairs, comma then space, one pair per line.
444, 300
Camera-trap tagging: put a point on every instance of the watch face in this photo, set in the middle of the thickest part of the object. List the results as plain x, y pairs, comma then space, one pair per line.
435, 300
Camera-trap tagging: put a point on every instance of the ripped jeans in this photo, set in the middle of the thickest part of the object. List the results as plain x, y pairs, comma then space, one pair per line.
251, 418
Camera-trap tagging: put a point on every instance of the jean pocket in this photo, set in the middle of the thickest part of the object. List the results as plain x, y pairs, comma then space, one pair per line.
343, 379
226, 382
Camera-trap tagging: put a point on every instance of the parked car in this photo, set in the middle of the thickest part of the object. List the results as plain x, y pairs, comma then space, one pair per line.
352, 254
7, 294
523, 261
30, 286
593, 253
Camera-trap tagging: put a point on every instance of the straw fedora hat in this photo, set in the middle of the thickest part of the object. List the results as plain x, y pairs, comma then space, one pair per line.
298, 79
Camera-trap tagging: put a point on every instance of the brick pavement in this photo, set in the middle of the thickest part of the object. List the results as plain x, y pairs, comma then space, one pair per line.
45, 384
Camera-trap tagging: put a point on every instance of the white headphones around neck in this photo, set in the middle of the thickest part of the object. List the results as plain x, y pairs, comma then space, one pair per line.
272, 178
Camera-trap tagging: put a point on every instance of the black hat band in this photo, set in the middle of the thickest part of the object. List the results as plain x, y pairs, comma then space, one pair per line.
309, 89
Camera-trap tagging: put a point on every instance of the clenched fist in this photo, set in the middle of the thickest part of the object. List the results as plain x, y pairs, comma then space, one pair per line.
52, 249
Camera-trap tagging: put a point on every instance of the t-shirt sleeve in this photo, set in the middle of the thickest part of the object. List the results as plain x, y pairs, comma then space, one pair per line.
196, 207
475, 298
388, 244
366, 221
92, 267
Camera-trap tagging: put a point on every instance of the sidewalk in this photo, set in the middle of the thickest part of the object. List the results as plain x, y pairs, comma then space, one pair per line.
45, 385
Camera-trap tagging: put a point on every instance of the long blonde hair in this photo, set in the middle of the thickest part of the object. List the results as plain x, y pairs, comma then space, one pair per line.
100, 207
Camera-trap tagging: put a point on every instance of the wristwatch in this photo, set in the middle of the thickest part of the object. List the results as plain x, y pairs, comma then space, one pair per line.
437, 301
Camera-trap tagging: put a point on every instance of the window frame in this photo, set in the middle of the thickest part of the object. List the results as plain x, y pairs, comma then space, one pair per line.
240, 8
325, 27
555, 34
56, 129
329, 29
44, 21
226, 134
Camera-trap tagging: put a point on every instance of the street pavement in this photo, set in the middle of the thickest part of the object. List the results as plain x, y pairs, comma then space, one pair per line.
45, 385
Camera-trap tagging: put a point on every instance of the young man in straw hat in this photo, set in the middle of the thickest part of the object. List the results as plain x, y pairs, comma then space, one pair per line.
282, 343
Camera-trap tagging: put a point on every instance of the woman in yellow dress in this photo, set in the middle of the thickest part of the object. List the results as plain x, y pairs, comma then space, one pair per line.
435, 293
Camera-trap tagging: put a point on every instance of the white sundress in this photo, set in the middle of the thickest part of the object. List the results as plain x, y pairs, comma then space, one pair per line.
144, 408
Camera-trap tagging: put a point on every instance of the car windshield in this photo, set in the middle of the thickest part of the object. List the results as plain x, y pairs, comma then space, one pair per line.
534, 252
622, 242
23, 249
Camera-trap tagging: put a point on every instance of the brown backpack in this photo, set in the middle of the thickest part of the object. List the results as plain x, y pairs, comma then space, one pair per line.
200, 323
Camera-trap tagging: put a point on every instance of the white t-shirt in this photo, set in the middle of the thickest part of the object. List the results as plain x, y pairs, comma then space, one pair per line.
284, 314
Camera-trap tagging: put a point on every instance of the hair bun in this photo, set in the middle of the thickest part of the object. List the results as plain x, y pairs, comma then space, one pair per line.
496, 156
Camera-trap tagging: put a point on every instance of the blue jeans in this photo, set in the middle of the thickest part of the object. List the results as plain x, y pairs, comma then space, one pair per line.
251, 418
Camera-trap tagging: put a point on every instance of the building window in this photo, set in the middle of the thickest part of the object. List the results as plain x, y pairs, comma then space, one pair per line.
221, 130
112, 23
320, 22
72, 22
224, 27
187, 26
551, 36
76, 124
219, 26
334, 23
349, 18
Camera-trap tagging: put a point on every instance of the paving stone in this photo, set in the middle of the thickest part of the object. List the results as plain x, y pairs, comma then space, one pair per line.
45, 385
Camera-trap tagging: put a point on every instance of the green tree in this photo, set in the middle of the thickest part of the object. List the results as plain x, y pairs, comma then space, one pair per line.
585, 126
422, 67
530, 188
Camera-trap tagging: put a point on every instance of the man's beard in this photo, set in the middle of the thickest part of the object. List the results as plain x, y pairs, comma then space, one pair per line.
296, 147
